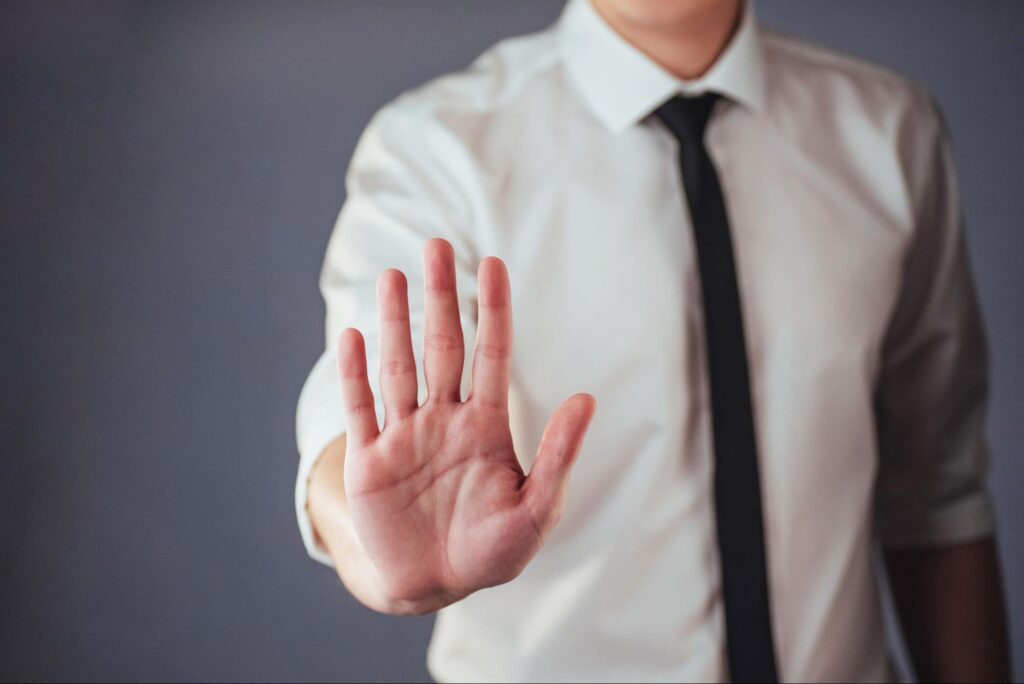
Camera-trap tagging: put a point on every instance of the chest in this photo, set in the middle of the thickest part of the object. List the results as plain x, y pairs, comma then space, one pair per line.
606, 286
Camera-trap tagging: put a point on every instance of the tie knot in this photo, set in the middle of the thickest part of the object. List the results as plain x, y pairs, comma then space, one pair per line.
687, 116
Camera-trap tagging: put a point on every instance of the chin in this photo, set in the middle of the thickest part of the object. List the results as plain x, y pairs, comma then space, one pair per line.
653, 14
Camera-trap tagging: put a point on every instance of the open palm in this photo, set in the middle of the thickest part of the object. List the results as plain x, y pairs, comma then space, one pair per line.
438, 497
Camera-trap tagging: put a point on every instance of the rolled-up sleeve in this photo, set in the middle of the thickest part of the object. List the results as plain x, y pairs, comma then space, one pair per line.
933, 385
406, 183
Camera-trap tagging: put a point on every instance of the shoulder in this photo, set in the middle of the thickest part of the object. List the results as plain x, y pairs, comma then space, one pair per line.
494, 84
870, 120
437, 135
805, 74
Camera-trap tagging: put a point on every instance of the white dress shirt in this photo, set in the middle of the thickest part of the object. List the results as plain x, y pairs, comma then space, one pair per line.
868, 360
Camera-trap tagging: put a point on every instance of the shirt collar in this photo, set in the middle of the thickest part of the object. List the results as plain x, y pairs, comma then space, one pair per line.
622, 85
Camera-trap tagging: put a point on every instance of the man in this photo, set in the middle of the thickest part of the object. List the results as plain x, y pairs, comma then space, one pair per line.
747, 252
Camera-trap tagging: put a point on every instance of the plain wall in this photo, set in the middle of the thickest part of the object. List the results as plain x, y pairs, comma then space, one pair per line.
169, 175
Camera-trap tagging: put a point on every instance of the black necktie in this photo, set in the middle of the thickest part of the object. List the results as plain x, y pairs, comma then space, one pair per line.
748, 632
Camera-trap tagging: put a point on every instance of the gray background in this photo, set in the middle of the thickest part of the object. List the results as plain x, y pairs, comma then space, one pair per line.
169, 174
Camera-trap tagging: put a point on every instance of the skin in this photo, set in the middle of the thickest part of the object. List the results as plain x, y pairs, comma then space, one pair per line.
436, 506
950, 603
684, 37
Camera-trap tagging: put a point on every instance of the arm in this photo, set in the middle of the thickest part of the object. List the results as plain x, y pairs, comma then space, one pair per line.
934, 515
401, 191
433, 505
950, 605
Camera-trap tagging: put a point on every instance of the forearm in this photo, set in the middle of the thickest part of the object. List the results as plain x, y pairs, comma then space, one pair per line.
950, 603
329, 513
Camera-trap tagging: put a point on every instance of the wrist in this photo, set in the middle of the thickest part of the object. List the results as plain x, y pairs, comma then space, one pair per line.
370, 588
332, 523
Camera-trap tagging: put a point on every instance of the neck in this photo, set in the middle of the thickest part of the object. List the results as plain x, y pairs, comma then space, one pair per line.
685, 39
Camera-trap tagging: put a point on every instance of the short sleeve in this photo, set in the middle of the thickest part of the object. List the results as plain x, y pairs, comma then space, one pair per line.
933, 385
406, 183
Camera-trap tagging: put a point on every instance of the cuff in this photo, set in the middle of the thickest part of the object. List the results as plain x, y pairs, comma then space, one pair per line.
966, 519
319, 421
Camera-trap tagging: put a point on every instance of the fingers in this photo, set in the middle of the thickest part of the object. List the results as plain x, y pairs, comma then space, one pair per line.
544, 489
492, 358
443, 346
397, 365
357, 397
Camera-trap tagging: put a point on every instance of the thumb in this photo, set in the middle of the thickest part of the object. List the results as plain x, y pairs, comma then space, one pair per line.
544, 489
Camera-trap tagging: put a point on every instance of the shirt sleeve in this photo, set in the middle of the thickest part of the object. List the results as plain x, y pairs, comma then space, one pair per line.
406, 183
933, 384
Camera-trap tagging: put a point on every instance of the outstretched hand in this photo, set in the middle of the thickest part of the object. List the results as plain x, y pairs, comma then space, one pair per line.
438, 498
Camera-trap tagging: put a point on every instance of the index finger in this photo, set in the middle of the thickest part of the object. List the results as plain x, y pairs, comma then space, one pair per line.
356, 395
